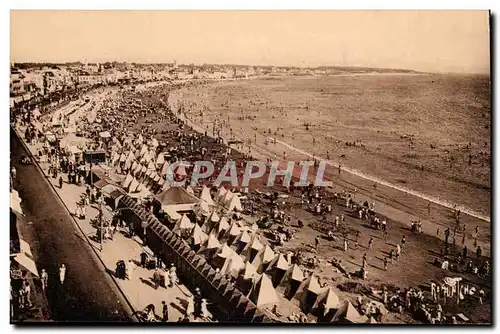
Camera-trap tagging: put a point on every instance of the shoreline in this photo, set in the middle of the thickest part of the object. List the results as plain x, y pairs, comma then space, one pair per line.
352, 170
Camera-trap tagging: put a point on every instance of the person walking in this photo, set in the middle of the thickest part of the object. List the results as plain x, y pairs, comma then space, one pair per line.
370, 243
27, 293
60, 182
45, 279
364, 261
385, 264
345, 245
479, 252
62, 273
164, 312
156, 278
316, 241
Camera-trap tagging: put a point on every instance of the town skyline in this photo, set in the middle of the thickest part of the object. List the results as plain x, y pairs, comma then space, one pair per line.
427, 41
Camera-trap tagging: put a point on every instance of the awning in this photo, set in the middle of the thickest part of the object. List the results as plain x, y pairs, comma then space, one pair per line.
15, 203
25, 247
27, 263
174, 215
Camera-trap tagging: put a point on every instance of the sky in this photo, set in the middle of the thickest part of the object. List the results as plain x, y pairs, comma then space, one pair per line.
433, 41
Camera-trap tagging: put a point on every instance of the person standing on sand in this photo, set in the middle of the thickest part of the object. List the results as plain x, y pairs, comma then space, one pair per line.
370, 243
60, 182
316, 241
62, 273
385, 263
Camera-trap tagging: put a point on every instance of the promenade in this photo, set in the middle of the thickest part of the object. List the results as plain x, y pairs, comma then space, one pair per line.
139, 288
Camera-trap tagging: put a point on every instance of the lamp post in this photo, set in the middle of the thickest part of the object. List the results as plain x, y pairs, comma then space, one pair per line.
100, 223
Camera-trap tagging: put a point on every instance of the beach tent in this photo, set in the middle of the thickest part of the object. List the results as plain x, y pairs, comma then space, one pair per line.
347, 314
160, 160
371, 320
164, 169
263, 293
308, 292
133, 185
233, 265
252, 248
222, 227
247, 278
263, 258
134, 166
234, 230
277, 269
205, 196
235, 204
222, 254
127, 181
327, 302
198, 236
190, 190
151, 166
209, 246
291, 281
226, 199
127, 165
241, 241
183, 226
220, 194
203, 209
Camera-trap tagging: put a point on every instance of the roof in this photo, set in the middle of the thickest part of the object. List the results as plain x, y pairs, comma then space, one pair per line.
175, 195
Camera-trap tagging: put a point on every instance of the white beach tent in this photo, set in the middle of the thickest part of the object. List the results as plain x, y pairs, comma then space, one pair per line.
205, 196
263, 293
197, 235
183, 226
263, 258
235, 204
127, 181
327, 300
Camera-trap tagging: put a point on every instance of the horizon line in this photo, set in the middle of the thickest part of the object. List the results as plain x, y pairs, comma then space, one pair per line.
246, 65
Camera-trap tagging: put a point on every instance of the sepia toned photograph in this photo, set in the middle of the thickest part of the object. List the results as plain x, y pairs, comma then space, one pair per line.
249, 167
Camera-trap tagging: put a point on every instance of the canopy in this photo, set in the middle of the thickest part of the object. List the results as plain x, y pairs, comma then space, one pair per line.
174, 215
262, 292
15, 202
27, 263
